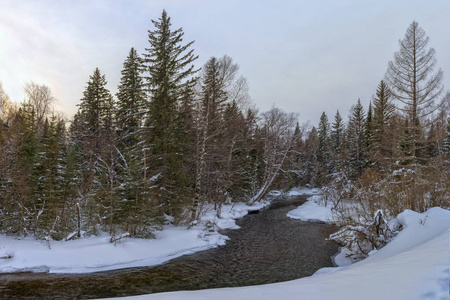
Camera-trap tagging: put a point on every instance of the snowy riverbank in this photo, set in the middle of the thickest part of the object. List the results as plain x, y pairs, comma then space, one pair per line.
414, 265
96, 253
312, 211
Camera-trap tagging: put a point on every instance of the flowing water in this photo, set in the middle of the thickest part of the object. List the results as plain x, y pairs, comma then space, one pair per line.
269, 247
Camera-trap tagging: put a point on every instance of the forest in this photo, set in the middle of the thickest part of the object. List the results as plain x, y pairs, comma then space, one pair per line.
176, 138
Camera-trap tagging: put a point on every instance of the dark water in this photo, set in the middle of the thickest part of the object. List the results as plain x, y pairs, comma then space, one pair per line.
268, 248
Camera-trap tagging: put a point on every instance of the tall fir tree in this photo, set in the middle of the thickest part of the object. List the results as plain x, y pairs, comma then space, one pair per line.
337, 141
324, 149
357, 140
447, 137
369, 128
95, 133
168, 69
130, 101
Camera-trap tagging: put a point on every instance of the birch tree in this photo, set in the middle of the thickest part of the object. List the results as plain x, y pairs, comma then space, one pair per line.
278, 136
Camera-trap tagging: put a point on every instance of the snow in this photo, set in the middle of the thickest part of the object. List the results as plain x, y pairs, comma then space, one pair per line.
303, 191
96, 253
295, 192
413, 266
311, 210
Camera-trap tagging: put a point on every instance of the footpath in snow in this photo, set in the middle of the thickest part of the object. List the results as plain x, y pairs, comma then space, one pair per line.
96, 253
413, 266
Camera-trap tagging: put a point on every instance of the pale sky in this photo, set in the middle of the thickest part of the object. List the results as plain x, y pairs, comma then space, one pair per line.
303, 56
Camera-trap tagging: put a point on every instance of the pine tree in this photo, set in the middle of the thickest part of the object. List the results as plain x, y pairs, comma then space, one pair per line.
383, 112
51, 167
357, 140
135, 212
96, 110
432, 145
447, 138
337, 142
369, 128
24, 179
324, 149
337, 133
169, 71
130, 102
95, 133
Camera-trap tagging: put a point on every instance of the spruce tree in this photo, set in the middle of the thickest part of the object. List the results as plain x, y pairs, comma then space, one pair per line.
357, 140
95, 133
324, 149
96, 110
383, 111
168, 71
447, 137
369, 128
337, 133
130, 101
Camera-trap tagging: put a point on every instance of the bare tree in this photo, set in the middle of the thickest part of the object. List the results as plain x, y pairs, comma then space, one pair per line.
278, 136
4, 100
40, 98
413, 81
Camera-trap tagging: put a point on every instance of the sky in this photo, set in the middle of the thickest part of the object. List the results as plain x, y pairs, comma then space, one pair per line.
302, 56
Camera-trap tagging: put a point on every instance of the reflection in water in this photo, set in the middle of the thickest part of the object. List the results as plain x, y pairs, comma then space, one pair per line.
268, 248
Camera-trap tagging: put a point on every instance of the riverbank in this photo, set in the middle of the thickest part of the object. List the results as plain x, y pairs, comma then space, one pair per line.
413, 266
267, 248
96, 253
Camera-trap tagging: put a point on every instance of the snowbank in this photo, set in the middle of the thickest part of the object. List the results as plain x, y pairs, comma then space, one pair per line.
296, 192
92, 254
312, 211
414, 265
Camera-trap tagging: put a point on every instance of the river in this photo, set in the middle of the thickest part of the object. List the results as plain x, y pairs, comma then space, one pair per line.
268, 248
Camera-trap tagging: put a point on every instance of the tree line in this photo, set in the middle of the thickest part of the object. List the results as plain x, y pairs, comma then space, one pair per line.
393, 155
175, 140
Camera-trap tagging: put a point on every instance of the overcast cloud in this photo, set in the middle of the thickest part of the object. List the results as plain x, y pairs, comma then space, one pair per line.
303, 56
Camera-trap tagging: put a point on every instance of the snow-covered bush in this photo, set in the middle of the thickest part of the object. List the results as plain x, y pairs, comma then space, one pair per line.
357, 204
338, 188
360, 239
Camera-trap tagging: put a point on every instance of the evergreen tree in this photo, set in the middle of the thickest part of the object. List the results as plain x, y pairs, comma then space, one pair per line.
96, 110
130, 101
369, 129
310, 162
95, 132
337, 142
432, 145
25, 201
383, 113
337, 133
168, 69
447, 138
324, 149
51, 167
357, 140
135, 212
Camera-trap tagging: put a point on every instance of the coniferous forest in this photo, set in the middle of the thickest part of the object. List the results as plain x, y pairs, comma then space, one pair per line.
176, 137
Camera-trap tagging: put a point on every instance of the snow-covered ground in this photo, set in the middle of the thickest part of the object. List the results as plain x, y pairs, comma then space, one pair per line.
311, 210
296, 192
92, 254
414, 265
